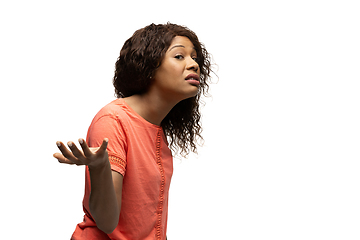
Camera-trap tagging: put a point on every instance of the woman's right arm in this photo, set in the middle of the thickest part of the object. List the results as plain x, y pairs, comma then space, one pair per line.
106, 185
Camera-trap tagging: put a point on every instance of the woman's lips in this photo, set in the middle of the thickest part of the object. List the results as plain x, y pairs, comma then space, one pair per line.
193, 76
193, 82
193, 79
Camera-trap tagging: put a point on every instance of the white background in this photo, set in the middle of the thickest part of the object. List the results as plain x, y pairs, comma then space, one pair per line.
281, 156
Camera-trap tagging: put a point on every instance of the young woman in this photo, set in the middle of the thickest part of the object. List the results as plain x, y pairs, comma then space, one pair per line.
160, 75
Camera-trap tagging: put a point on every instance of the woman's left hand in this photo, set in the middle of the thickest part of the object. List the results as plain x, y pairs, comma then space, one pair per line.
92, 157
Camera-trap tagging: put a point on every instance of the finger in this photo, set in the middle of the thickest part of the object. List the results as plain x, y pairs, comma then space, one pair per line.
85, 148
62, 159
66, 153
75, 151
103, 146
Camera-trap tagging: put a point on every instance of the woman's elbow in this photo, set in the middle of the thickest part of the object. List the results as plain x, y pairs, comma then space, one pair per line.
108, 223
108, 228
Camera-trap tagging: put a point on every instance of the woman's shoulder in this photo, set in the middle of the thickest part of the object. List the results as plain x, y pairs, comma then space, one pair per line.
115, 109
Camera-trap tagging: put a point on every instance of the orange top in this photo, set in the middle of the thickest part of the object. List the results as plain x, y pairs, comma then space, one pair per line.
138, 150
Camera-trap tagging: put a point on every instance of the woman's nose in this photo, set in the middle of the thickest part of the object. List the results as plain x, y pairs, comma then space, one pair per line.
193, 65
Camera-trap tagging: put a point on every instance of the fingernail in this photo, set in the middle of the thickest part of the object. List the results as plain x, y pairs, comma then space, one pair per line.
58, 144
70, 144
81, 141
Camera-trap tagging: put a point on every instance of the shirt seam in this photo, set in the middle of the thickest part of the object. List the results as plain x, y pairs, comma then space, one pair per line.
162, 186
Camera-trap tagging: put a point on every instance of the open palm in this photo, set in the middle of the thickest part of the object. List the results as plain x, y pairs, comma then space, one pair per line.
92, 157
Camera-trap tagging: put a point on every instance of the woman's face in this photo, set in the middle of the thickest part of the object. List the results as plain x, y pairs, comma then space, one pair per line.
178, 76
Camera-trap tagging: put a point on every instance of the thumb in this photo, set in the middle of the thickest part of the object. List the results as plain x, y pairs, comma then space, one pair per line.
103, 145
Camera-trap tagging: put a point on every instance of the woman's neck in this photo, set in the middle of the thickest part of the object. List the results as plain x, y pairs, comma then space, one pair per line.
150, 107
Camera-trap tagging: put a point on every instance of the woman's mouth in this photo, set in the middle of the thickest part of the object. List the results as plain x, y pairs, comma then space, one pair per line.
193, 79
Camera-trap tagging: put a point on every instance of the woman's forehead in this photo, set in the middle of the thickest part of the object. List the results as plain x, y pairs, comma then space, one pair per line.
181, 42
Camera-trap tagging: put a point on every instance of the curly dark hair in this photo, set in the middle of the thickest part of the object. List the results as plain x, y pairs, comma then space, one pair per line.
139, 58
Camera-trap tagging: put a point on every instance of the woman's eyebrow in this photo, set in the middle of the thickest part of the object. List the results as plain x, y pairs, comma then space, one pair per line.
178, 46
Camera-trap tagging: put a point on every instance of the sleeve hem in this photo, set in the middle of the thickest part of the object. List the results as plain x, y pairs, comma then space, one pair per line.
117, 163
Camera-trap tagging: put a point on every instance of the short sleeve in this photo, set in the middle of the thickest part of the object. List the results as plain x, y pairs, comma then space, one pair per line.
110, 127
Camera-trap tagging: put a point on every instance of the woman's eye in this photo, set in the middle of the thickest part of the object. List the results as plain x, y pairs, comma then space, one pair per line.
195, 59
179, 56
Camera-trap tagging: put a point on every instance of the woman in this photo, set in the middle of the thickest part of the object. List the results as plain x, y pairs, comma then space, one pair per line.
160, 75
